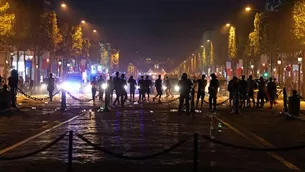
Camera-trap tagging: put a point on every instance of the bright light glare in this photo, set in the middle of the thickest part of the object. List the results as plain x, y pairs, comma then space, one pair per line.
248, 8
104, 86
63, 5
137, 87
164, 87
177, 88
43, 86
88, 88
228, 24
125, 86
70, 86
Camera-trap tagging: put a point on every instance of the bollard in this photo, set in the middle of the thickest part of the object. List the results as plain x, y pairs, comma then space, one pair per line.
195, 153
63, 104
70, 149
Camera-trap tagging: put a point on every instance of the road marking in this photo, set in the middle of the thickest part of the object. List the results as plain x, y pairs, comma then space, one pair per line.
37, 135
260, 142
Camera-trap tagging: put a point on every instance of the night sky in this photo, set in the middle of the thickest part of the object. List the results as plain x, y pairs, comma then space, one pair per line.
158, 29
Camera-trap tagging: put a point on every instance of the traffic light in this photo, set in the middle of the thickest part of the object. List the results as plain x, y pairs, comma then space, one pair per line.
266, 74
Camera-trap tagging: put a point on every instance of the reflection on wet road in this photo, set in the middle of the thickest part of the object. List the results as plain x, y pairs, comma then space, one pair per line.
138, 133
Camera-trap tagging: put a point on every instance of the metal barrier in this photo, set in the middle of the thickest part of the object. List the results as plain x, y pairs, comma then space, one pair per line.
35, 98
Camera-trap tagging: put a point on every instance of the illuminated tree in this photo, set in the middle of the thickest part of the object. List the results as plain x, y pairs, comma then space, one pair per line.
6, 20
211, 54
50, 34
86, 47
204, 58
77, 40
232, 50
299, 21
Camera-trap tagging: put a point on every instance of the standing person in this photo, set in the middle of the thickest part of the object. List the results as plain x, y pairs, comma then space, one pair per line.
271, 91
251, 87
13, 83
116, 86
243, 89
101, 81
202, 83
123, 91
213, 89
147, 85
94, 84
5, 101
132, 87
158, 85
141, 84
261, 92
185, 86
168, 87
51, 86
110, 88
232, 88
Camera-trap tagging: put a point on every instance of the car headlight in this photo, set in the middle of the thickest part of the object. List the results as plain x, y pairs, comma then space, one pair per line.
70, 86
177, 88
104, 86
164, 87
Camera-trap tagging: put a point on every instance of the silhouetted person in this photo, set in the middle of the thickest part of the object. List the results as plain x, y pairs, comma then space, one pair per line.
116, 84
141, 84
213, 90
6, 98
101, 81
147, 85
158, 85
232, 88
261, 92
168, 87
252, 85
51, 86
13, 83
94, 84
123, 91
132, 87
110, 88
243, 90
202, 83
271, 90
185, 86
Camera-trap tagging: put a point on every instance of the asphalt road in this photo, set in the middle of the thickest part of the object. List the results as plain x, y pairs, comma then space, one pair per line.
144, 129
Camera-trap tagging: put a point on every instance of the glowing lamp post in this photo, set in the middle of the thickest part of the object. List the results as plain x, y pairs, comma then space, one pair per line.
299, 74
279, 62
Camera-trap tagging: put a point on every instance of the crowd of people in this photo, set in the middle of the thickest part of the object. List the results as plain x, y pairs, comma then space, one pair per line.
243, 90
118, 85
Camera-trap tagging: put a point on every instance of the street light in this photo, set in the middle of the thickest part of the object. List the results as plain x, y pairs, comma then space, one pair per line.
248, 9
299, 75
279, 62
63, 5
228, 24
94, 31
83, 21
202, 46
208, 40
